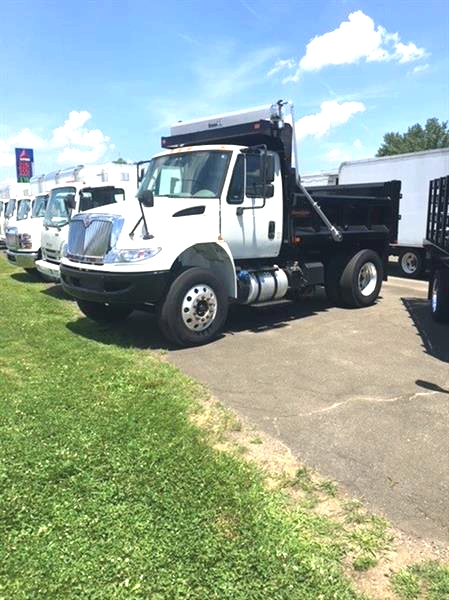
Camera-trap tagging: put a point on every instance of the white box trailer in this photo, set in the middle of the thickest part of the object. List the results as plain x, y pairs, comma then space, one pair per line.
415, 170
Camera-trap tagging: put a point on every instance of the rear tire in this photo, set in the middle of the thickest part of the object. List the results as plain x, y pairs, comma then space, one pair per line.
104, 313
410, 263
194, 309
361, 279
440, 296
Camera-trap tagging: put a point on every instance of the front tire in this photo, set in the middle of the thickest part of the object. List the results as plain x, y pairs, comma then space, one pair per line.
194, 309
103, 312
361, 280
440, 296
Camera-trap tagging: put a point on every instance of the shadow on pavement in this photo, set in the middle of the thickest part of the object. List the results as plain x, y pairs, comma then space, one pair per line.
140, 330
434, 336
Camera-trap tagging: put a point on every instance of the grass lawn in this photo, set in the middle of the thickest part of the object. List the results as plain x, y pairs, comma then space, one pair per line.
108, 489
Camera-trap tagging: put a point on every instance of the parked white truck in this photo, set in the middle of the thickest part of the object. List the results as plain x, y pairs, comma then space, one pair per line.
11, 195
222, 217
23, 236
75, 190
415, 170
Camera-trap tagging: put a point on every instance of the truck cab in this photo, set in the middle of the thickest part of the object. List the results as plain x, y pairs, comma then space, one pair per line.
23, 237
77, 190
222, 217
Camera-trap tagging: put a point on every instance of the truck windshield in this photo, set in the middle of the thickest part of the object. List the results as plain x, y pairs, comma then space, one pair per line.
191, 174
10, 208
94, 197
57, 213
39, 206
23, 209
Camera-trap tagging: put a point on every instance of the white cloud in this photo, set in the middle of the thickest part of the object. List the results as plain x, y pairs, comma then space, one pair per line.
336, 154
332, 113
421, 68
281, 65
357, 144
74, 141
354, 40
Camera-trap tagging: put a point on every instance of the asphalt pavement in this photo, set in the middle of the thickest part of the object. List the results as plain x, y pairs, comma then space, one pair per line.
360, 395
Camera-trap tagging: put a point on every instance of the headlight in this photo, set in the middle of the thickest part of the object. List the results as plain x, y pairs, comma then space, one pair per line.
25, 241
132, 255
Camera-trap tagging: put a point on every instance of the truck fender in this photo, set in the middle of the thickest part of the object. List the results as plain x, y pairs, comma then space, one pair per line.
213, 256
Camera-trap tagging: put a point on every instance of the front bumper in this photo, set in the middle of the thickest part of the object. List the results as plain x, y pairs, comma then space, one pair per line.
127, 288
48, 269
26, 260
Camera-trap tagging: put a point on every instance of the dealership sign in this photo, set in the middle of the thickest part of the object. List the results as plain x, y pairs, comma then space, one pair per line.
24, 164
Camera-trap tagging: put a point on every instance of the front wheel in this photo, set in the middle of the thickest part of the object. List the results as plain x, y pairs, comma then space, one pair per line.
194, 309
104, 312
361, 279
440, 296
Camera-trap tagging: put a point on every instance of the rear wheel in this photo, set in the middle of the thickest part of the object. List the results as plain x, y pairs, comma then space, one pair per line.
361, 279
194, 309
411, 263
104, 312
440, 296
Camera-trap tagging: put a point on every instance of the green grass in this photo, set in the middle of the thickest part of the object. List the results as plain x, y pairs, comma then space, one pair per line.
429, 580
109, 490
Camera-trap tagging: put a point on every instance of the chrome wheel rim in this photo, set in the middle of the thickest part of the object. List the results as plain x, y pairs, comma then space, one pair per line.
435, 295
199, 307
409, 263
367, 279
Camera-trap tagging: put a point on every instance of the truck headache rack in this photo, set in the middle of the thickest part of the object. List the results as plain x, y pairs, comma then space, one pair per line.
438, 214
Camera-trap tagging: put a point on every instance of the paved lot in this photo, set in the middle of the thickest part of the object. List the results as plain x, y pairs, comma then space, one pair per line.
361, 395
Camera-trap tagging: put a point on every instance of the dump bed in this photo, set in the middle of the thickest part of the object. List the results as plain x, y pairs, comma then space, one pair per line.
437, 231
363, 210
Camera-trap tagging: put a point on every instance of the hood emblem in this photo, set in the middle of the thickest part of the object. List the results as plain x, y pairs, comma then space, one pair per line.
87, 220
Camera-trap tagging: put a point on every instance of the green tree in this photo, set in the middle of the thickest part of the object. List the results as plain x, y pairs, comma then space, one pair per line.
433, 135
120, 161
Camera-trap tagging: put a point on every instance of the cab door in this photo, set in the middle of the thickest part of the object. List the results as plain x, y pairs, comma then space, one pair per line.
252, 208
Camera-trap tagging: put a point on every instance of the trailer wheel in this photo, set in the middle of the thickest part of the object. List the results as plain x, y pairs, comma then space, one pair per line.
410, 263
362, 279
440, 296
194, 309
104, 313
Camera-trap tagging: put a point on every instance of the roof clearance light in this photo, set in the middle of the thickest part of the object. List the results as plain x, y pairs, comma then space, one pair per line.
256, 126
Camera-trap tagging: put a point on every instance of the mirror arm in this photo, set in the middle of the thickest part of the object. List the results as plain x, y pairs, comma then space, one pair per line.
147, 235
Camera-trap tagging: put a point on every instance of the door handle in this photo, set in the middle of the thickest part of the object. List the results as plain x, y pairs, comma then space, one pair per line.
271, 230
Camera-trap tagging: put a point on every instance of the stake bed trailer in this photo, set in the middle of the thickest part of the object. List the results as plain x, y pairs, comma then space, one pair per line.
223, 217
437, 247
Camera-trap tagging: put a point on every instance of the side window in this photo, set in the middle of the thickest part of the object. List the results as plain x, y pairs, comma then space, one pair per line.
235, 193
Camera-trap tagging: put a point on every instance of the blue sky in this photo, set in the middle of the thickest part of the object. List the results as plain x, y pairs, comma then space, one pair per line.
91, 81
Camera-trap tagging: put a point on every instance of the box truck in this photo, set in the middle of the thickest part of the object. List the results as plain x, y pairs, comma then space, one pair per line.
415, 170
75, 190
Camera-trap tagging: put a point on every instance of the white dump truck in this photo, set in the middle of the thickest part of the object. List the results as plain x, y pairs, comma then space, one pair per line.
11, 195
23, 236
415, 171
222, 217
75, 190
437, 248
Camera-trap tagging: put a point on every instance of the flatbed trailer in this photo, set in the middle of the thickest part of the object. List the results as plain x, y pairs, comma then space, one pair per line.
437, 247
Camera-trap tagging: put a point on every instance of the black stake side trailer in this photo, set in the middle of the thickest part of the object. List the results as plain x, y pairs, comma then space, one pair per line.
437, 247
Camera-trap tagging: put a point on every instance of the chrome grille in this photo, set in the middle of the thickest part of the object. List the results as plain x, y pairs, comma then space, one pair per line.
89, 239
51, 255
12, 239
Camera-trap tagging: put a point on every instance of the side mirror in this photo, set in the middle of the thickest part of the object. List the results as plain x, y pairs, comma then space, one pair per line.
260, 190
146, 198
70, 202
269, 168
